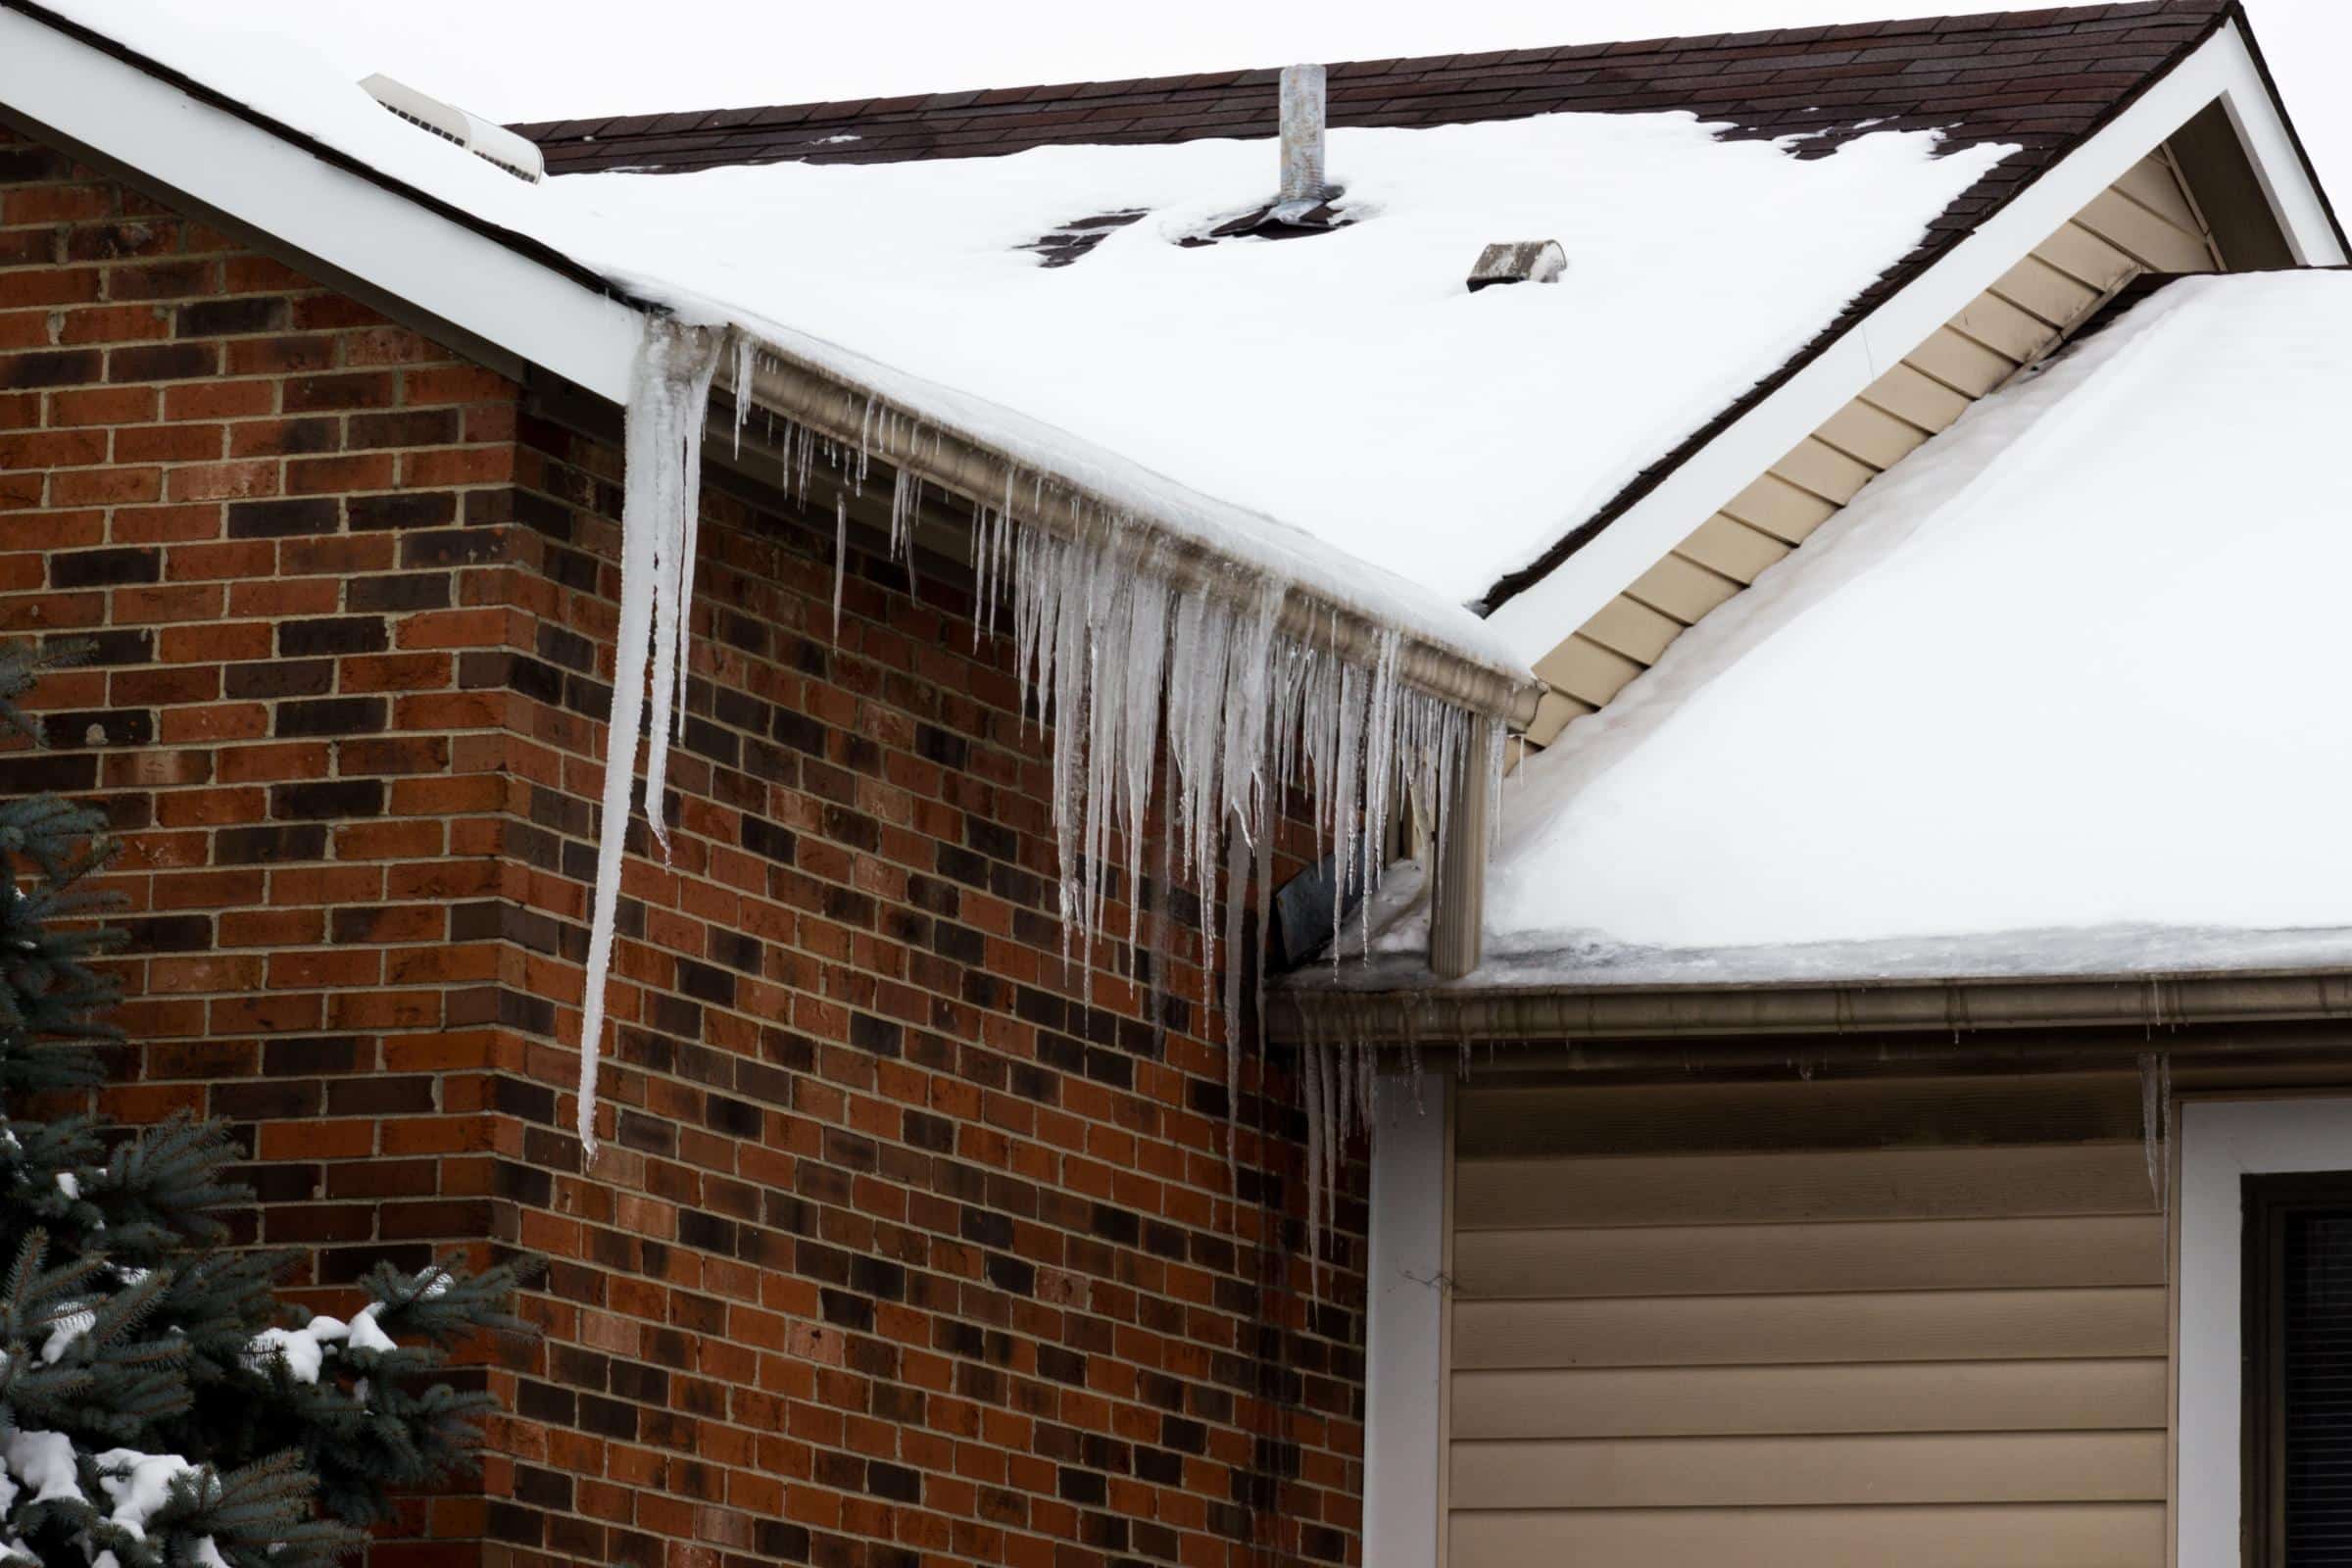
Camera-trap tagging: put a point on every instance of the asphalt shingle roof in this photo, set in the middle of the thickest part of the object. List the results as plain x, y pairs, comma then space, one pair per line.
2038, 77
2042, 79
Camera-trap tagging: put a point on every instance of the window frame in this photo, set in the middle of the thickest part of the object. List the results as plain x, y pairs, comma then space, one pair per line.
2267, 1201
2221, 1143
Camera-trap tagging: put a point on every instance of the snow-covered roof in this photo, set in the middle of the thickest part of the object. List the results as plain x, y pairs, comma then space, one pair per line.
1341, 397
1346, 383
2060, 694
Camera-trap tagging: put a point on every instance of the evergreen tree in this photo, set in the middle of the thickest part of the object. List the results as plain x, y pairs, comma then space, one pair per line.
159, 1407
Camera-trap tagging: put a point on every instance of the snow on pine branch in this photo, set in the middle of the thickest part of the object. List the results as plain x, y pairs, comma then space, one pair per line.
1121, 639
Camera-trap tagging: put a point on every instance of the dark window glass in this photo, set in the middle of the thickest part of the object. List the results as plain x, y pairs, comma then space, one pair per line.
2298, 1371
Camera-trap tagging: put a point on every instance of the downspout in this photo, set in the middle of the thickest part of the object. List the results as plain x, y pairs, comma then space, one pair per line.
1458, 902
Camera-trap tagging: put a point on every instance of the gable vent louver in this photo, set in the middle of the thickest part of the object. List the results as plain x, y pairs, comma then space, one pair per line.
493, 144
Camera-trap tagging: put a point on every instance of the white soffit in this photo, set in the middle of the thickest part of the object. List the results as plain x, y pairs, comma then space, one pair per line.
1534, 621
280, 188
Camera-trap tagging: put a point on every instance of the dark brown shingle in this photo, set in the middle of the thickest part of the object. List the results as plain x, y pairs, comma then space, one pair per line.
1772, 83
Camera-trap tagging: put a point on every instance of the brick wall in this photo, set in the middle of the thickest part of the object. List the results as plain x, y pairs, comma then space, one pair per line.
898, 1249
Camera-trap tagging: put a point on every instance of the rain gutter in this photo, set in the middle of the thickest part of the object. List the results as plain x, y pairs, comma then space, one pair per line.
2146, 1002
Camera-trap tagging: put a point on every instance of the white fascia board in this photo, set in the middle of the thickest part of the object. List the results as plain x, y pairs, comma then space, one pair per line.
1405, 1334
281, 189
1539, 620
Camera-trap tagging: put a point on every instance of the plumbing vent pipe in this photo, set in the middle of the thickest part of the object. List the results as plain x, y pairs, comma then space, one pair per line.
1525, 261
1301, 138
492, 143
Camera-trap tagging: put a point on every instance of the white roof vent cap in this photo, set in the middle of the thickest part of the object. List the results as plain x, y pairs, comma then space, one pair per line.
490, 142
1523, 260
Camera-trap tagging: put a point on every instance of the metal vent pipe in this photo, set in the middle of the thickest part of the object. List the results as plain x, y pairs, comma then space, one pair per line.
1302, 134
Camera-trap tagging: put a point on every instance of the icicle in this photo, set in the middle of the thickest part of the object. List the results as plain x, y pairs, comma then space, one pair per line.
1156, 681
2155, 1121
841, 554
1238, 859
668, 402
1310, 1056
686, 358
2164, 1106
743, 385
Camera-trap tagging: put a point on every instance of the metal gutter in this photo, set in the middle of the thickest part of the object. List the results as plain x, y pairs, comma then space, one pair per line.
845, 412
2149, 1002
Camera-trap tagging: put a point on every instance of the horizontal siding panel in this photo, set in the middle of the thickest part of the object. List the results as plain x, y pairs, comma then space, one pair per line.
2150, 184
2003, 328
1871, 434
1632, 628
1907, 394
1790, 1259
2105, 1535
1731, 547
1786, 510
2079, 253
1777, 1472
1814, 465
1588, 671
2131, 228
1683, 588
1524, 1115
2083, 1395
1836, 1185
1779, 1330
2053, 296
1961, 363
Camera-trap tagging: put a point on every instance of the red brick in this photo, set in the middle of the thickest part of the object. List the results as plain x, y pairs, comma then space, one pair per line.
103, 487
225, 481
170, 443
412, 960
372, 470
112, 404
115, 323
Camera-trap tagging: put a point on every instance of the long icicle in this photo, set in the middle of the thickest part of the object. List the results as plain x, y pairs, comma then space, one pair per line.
686, 358
668, 403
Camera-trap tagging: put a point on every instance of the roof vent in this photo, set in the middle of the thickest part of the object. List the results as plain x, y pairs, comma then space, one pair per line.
1522, 261
1305, 204
491, 143
1302, 187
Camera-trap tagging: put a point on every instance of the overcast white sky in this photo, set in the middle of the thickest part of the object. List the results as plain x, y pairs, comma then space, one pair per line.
543, 59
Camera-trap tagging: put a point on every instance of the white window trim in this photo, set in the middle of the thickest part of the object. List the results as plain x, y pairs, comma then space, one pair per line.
2220, 1141
1405, 1334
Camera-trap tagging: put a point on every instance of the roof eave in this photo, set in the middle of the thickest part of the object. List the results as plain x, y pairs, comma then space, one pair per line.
504, 296
501, 297
843, 409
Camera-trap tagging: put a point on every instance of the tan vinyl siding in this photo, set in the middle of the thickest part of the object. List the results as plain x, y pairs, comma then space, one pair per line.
1917, 1321
2146, 221
1802, 1401
2115, 1534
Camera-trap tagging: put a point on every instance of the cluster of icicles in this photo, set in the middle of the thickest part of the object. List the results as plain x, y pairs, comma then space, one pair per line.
1116, 644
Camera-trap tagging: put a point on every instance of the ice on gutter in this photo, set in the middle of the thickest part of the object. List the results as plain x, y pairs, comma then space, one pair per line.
1138, 610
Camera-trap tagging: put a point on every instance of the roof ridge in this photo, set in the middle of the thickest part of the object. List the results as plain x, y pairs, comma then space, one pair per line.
554, 135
